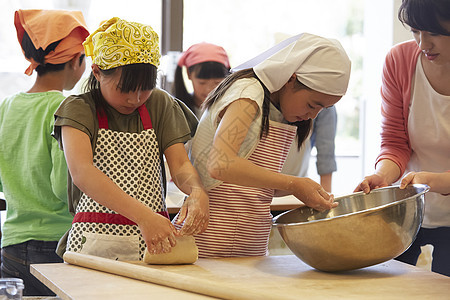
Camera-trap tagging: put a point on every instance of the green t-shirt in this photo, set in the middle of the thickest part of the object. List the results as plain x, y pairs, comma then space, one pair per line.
33, 171
169, 120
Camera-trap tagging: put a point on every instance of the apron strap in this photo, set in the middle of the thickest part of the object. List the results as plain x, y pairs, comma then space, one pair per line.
102, 119
143, 113
145, 117
107, 218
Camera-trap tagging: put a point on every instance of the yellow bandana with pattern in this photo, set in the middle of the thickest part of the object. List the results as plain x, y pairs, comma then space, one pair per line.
118, 43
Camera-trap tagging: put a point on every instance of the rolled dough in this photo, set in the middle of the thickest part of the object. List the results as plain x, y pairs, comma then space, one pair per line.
184, 252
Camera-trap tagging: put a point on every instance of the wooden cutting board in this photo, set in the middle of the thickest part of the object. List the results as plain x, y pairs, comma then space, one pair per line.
281, 277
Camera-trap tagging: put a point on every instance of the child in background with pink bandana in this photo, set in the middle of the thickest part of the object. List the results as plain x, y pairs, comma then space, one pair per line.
207, 65
114, 136
33, 171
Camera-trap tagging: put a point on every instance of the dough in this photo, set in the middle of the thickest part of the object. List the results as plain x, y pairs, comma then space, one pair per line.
184, 252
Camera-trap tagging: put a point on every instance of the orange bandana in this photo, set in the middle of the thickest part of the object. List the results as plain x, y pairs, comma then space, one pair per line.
47, 26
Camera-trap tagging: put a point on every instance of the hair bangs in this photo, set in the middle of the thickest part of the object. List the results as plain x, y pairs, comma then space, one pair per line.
136, 77
424, 16
209, 69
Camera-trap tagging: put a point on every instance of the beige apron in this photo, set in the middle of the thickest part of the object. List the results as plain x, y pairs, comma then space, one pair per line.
131, 161
240, 218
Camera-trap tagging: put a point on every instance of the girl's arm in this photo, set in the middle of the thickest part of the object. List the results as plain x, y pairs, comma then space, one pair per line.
325, 181
157, 231
224, 163
195, 209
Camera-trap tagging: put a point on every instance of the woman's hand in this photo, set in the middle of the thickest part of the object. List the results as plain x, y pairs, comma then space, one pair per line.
194, 213
438, 182
311, 193
415, 177
371, 182
158, 233
386, 173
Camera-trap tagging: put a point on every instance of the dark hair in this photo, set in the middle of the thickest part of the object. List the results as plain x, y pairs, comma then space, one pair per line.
204, 70
425, 15
303, 127
132, 78
38, 55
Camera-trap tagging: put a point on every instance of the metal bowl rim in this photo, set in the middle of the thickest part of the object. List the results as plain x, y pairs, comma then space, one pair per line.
425, 187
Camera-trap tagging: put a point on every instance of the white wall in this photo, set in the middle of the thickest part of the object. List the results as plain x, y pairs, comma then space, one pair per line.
382, 37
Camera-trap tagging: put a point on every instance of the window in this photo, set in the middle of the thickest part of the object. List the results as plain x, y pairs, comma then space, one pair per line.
11, 58
366, 29
246, 28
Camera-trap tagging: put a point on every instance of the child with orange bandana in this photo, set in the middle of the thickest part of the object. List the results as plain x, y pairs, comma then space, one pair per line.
33, 171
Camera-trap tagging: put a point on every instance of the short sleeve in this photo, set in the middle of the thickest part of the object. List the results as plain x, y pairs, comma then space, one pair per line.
247, 88
169, 119
74, 111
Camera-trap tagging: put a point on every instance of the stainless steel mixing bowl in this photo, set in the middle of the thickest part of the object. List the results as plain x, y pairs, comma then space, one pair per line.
364, 230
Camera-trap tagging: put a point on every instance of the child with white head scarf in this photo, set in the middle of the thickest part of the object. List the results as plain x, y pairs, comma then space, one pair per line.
239, 147
319, 63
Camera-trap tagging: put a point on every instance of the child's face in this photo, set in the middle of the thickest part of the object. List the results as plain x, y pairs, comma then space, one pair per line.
303, 104
125, 103
202, 87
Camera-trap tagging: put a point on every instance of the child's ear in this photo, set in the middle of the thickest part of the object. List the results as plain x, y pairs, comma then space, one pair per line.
95, 71
293, 77
75, 61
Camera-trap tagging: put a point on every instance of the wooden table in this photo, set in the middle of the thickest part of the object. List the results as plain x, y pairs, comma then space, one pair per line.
271, 277
175, 198
74, 282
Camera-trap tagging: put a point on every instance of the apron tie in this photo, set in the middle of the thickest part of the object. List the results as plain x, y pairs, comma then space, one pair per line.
107, 218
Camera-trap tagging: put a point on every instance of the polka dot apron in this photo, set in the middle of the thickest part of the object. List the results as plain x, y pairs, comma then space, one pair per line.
240, 218
131, 161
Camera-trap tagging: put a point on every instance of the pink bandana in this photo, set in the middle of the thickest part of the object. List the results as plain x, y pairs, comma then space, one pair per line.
203, 52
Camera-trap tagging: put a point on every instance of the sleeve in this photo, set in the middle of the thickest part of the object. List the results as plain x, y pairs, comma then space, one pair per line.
58, 174
246, 88
323, 138
394, 138
169, 120
74, 111
189, 115
1, 118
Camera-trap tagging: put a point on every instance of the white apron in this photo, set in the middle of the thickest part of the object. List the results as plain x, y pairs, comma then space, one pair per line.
131, 161
429, 135
240, 218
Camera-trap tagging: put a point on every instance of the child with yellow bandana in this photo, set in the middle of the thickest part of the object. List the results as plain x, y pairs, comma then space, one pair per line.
114, 137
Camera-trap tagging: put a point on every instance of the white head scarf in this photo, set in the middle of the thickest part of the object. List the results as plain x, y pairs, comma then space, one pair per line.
319, 63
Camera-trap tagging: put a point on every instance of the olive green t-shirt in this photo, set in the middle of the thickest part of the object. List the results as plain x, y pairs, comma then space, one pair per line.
169, 120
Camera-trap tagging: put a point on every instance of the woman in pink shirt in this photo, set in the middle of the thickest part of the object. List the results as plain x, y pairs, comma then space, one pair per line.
415, 133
